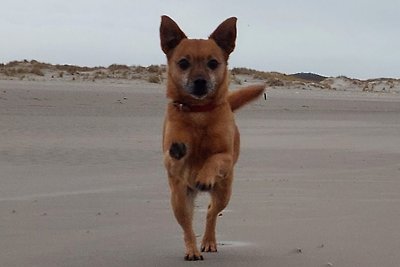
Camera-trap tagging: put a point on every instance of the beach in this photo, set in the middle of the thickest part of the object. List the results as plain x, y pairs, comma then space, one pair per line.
82, 181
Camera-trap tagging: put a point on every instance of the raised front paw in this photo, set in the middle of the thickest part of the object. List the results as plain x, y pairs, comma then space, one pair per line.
205, 183
204, 186
177, 150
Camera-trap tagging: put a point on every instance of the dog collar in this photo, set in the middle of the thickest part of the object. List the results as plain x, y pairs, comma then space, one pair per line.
194, 108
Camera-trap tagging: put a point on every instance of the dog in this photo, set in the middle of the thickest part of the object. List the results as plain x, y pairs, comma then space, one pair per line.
200, 138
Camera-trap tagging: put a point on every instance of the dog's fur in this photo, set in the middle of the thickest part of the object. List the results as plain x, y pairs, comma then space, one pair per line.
200, 137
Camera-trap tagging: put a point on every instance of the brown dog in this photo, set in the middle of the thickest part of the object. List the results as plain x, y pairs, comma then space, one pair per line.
200, 138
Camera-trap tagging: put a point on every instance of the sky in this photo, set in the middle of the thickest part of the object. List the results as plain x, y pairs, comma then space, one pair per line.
359, 39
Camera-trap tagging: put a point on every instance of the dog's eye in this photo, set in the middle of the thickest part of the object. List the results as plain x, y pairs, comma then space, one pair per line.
183, 64
212, 64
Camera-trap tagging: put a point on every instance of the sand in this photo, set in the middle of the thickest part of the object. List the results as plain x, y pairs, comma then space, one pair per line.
82, 183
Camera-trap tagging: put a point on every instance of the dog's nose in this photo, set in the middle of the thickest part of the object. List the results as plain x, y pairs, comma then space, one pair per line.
200, 87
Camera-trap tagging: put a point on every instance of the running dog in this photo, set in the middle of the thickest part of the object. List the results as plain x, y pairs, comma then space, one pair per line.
200, 137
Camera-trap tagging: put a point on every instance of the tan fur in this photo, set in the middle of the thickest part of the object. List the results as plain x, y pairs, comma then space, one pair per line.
200, 148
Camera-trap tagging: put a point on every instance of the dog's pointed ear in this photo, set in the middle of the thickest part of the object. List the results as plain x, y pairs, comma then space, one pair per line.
225, 35
170, 34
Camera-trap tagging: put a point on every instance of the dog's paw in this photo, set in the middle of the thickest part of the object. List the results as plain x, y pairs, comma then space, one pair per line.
177, 150
193, 256
209, 246
205, 182
204, 186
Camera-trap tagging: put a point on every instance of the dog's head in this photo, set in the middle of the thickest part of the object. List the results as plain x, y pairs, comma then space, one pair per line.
196, 67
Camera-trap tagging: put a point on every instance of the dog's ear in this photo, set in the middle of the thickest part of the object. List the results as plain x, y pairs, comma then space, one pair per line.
170, 34
225, 35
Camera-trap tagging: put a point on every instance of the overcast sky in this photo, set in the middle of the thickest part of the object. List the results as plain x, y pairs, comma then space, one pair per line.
355, 38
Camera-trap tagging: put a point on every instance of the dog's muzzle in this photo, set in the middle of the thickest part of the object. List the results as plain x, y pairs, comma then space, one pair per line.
199, 88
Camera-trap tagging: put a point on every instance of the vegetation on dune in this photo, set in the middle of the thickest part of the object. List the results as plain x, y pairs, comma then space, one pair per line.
35, 70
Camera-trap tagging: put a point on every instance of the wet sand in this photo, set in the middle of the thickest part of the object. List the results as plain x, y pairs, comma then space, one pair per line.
82, 183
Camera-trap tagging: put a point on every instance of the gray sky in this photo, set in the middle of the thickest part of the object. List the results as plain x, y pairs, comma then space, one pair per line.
355, 38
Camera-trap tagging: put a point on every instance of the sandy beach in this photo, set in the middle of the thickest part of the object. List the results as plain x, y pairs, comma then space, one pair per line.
82, 181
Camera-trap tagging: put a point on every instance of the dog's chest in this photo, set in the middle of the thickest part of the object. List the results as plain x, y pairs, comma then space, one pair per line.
209, 140
204, 143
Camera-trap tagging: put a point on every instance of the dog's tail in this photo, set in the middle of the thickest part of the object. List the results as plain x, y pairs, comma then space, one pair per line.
242, 96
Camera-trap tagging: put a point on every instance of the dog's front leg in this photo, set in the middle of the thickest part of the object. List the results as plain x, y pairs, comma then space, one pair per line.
182, 197
182, 200
215, 167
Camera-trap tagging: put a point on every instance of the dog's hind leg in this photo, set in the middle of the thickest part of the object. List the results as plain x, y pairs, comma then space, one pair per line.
182, 200
220, 196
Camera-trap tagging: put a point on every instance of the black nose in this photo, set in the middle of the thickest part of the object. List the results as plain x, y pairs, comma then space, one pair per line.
200, 87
